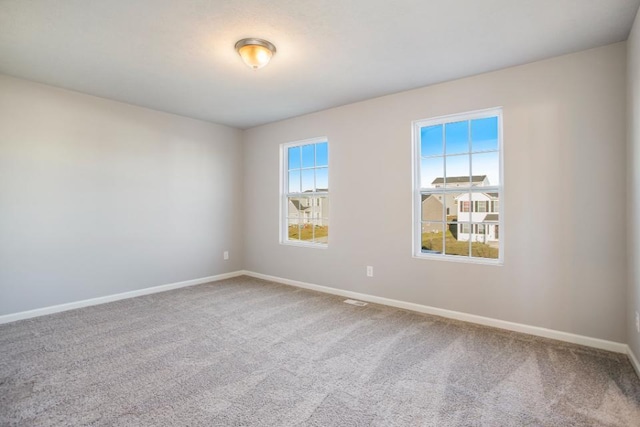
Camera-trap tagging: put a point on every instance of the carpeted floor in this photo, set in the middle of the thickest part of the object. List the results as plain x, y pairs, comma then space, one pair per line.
254, 353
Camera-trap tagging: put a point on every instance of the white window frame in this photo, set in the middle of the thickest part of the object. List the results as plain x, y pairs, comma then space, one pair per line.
284, 195
416, 125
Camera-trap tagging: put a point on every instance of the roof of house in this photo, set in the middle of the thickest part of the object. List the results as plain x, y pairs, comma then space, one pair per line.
298, 205
430, 196
458, 179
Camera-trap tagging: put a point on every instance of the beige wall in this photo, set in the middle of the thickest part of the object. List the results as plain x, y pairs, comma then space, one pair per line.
564, 134
633, 337
99, 197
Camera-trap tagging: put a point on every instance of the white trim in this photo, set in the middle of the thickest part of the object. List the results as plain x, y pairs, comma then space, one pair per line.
472, 318
305, 244
458, 258
465, 317
456, 117
634, 360
7, 318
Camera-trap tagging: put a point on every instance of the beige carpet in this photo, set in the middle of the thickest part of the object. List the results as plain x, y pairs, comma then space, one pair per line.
245, 352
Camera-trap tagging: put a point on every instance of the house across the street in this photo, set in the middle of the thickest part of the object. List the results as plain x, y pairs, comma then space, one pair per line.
475, 214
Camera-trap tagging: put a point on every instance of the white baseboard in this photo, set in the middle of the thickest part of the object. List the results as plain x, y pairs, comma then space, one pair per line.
634, 360
472, 318
115, 297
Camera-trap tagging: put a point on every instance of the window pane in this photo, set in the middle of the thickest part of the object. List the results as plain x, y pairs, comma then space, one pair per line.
432, 172
294, 182
484, 134
306, 230
432, 207
293, 231
457, 137
455, 244
457, 169
296, 207
451, 206
307, 180
464, 229
432, 237
322, 179
431, 139
320, 231
487, 164
308, 156
486, 240
322, 154
294, 157
319, 207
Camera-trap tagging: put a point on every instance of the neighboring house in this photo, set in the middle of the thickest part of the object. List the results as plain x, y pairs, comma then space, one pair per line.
458, 181
478, 217
431, 211
462, 181
309, 209
476, 214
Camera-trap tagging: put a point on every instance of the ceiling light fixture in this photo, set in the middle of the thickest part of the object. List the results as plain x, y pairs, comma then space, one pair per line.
256, 53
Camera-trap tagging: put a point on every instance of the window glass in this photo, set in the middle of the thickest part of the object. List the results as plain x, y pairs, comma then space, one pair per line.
457, 137
305, 199
432, 172
431, 141
458, 186
322, 154
484, 134
308, 156
294, 158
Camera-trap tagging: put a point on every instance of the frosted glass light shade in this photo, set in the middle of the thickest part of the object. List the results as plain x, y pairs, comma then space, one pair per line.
256, 53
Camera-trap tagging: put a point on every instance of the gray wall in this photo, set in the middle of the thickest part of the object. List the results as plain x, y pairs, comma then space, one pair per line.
99, 197
564, 133
633, 45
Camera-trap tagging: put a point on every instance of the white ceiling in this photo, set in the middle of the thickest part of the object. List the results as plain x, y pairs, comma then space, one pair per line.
178, 56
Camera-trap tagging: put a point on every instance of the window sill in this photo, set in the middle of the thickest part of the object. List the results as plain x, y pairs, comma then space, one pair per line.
305, 245
454, 258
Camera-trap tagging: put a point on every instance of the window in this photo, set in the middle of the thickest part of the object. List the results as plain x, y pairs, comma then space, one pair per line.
304, 213
458, 159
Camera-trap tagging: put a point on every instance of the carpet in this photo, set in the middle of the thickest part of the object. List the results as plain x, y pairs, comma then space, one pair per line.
247, 352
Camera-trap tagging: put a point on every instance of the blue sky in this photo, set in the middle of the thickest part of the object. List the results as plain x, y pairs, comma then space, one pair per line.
314, 156
456, 142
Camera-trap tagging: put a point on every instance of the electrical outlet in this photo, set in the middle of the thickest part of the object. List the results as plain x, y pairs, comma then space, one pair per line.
225, 255
638, 322
369, 271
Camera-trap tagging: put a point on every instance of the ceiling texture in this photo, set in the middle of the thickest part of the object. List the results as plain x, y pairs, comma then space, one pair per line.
178, 55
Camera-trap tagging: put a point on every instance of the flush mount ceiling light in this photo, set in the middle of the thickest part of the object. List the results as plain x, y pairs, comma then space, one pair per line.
256, 53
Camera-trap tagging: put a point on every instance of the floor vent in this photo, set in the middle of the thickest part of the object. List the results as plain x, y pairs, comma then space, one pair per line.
354, 302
